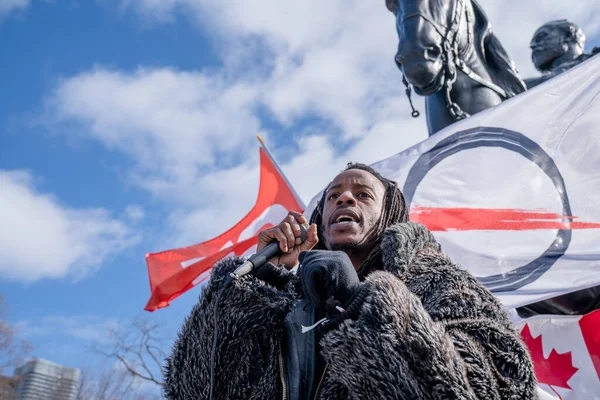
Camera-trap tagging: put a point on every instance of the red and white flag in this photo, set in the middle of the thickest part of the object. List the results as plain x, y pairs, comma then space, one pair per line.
173, 272
566, 354
513, 193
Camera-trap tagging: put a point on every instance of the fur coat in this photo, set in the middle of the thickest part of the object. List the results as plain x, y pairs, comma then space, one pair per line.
426, 330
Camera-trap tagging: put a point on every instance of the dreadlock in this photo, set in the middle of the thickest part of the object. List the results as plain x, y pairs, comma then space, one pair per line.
393, 211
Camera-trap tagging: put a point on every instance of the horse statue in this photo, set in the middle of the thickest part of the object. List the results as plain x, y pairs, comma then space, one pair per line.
448, 53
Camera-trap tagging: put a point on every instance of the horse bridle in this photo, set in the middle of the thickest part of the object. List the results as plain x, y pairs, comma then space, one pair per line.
452, 60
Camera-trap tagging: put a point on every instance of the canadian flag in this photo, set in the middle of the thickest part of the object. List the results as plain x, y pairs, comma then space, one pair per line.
173, 272
566, 353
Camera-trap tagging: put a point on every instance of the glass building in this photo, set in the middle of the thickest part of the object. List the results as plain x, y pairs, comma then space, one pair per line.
44, 380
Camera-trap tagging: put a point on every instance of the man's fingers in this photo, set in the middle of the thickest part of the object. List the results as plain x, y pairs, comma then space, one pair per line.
295, 219
267, 236
297, 233
311, 238
288, 233
299, 217
264, 237
286, 228
281, 238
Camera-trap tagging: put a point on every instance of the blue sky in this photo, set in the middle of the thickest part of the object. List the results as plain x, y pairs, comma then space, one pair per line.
129, 127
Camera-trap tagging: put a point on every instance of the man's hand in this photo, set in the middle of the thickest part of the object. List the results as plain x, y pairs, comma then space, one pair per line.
327, 273
288, 234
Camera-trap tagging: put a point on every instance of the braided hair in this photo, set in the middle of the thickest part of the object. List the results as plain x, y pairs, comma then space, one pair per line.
393, 211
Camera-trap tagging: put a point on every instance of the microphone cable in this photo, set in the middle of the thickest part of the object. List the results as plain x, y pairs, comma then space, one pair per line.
213, 352
256, 260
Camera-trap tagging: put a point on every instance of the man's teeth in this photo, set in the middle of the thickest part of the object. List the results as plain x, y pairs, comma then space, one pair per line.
344, 219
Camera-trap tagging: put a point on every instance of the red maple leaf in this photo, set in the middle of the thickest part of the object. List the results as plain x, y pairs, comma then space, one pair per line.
556, 370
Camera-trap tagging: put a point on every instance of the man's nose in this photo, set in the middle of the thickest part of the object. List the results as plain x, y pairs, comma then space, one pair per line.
346, 198
536, 45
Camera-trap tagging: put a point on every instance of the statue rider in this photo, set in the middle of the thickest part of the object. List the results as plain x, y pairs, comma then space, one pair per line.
556, 47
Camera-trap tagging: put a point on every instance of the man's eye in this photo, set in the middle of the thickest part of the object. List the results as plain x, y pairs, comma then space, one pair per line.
332, 196
364, 195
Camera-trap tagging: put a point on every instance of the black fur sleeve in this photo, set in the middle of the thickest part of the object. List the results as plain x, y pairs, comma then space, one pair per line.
250, 320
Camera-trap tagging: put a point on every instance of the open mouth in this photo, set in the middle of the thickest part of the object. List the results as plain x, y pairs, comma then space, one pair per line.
433, 86
344, 218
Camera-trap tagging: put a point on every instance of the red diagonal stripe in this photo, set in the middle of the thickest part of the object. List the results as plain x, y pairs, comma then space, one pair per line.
471, 219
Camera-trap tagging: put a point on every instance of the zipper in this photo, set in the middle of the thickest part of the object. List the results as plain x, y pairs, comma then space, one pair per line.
320, 382
281, 372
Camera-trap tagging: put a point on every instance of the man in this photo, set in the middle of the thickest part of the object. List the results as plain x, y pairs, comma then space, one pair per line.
385, 314
556, 47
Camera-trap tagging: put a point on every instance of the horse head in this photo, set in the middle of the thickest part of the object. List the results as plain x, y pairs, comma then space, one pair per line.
441, 42
429, 31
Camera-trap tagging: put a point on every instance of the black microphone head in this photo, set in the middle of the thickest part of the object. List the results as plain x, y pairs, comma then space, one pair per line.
304, 231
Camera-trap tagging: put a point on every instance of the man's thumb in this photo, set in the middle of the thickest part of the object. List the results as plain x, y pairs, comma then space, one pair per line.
311, 238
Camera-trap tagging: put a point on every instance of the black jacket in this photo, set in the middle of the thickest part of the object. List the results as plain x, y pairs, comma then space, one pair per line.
426, 330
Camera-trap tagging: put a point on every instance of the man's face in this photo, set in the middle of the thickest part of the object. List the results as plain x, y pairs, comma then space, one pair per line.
546, 46
353, 206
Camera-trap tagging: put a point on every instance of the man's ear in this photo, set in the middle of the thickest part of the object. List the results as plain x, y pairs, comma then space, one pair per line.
571, 35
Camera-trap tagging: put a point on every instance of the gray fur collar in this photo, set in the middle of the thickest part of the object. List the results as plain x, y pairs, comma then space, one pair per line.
400, 244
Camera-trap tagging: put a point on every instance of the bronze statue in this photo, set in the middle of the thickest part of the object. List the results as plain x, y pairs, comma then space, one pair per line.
555, 47
447, 52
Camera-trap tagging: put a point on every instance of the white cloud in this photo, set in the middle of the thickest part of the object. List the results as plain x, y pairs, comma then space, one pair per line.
323, 70
333, 59
162, 116
154, 10
294, 27
224, 197
86, 328
176, 125
42, 238
134, 213
9, 6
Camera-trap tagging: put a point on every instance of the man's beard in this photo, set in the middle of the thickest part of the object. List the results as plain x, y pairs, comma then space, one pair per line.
345, 247
364, 245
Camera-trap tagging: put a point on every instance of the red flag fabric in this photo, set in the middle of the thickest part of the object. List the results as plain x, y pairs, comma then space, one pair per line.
174, 272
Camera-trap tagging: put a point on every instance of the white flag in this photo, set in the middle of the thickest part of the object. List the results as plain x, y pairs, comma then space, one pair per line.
513, 193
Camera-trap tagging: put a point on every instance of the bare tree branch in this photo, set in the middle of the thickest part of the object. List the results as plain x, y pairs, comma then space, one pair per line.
110, 382
13, 352
136, 347
150, 351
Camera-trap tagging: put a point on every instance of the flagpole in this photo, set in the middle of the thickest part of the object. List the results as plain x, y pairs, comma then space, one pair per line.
296, 196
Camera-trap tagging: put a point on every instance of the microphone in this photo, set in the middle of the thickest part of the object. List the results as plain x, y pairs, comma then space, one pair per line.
260, 257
